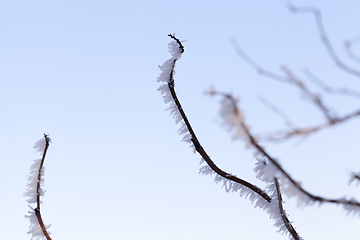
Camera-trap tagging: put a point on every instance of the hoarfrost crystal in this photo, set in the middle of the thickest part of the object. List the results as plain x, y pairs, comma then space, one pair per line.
167, 70
32, 191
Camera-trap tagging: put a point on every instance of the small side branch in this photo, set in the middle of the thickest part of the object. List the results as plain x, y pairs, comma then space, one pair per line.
326, 88
257, 66
314, 98
349, 49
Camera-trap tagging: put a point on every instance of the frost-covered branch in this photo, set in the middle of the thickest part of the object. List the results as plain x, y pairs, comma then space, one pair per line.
283, 214
169, 95
269, 167
38, 229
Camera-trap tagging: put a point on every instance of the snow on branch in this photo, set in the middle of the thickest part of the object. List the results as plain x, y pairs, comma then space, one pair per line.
38, 230
268, 168
278, 213
234, 120
168, 91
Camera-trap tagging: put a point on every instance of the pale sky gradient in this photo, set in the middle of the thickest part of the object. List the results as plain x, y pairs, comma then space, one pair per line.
85, 73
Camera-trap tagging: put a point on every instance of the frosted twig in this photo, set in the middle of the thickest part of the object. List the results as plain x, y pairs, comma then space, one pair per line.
34, 191
291, 182
168, 68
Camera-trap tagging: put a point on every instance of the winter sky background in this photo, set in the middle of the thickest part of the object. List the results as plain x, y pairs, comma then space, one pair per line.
85, 72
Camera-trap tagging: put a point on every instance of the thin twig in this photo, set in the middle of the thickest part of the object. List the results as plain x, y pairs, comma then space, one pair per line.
37, 209
315, 98
255, 65
326, 88
349, 51
310, 130
323, 36
278, 112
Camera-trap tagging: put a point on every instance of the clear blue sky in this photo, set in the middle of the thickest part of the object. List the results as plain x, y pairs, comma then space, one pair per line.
85, 73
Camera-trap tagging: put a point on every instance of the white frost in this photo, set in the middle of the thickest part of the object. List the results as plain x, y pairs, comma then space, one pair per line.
266, 171
274, 211
35, 228
164, 89
233, 119
31, 192
231, 186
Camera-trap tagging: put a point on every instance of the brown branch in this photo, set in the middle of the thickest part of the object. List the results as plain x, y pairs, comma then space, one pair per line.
285, 219
37, 209
323, 37
201, 150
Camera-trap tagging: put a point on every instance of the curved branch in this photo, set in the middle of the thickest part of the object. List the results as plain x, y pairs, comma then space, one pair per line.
195, 141
37, 209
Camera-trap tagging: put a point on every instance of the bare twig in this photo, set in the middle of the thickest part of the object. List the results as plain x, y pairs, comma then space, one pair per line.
282, 135
315, 98
291, 79
326, 88
278, 112
255, 65
348, 47
323, 36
